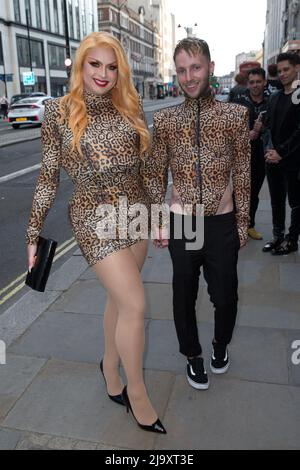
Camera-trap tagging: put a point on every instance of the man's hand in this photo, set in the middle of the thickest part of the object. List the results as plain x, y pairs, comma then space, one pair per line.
243, 243
253, 135
258, 125
161, 238
272, 157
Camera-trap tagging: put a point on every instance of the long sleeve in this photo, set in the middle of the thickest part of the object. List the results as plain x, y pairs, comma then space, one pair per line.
241, 175
48, 179
292, 144
155, 164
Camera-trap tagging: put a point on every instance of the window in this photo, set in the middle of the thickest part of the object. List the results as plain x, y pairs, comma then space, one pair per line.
56, 20
77, 19
47, 14
71, 24
63, 15
38, 14
17, 11
56, 56
28, 12
37, 55
1, 51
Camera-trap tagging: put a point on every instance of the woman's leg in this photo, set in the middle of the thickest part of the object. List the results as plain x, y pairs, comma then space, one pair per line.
111, 359
120, 275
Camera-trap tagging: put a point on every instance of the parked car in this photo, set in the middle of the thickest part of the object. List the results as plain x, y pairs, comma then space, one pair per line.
21, 96
28, 111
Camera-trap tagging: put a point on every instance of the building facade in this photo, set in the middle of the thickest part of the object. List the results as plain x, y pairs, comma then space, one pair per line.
40, 23
142, 26
244, 57
227, 81
275, 30
292, 26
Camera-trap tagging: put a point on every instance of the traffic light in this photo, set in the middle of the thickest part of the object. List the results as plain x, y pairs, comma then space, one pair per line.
214, 82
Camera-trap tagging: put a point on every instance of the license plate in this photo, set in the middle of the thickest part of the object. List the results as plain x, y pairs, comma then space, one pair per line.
21, 119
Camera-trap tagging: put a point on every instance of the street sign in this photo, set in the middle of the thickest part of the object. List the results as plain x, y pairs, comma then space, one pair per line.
28, 78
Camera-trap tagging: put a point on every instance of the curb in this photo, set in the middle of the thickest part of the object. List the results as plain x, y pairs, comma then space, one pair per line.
20, 316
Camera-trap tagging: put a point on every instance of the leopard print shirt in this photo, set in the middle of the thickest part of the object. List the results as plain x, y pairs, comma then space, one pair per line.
109, 168
224, 156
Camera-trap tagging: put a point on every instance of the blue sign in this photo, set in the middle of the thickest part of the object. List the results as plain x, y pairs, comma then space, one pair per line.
28, 78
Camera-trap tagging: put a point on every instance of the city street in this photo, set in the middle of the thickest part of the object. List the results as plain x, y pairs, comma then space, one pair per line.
16, 198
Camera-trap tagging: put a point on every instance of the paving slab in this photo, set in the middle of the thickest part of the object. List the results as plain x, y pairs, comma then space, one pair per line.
293, 342
234, 415
9, 439
84, 296
23, 313
256, 354
69, 400
290, 278
68, 274
64, 336
15, 377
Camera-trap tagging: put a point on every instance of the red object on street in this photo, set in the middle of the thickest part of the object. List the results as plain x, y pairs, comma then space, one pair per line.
245, 67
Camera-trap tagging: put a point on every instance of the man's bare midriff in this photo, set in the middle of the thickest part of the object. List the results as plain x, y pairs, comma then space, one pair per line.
226, 204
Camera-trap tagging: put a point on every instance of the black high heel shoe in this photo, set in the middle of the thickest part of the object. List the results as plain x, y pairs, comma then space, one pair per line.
155, 427
116, 398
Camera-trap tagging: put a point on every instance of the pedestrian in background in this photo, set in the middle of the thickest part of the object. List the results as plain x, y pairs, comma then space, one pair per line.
256, 102
283, 157
97, 133
205, 143
239, 89
4, 106
273, 84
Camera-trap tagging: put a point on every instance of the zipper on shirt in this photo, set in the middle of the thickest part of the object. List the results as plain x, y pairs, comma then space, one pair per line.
198, 137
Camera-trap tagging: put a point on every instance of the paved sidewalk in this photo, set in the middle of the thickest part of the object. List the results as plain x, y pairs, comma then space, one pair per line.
53, 397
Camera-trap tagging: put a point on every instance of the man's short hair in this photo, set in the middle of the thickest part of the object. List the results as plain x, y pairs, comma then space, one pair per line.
257, 71
272, 70
241, 79
192, 46
291, 57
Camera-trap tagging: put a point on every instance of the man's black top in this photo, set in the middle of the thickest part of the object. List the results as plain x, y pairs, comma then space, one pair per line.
273, 85
255, 109
283, 122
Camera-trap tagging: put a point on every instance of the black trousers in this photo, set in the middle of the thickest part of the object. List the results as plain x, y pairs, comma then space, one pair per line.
258, 174
282, 183
219, 257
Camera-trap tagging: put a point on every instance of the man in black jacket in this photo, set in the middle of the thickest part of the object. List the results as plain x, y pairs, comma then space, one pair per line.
283, 157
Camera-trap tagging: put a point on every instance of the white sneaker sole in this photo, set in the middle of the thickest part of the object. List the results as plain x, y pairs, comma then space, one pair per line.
197, 385
220, 371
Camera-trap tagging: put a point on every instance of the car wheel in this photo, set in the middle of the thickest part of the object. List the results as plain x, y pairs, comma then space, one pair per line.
16, 126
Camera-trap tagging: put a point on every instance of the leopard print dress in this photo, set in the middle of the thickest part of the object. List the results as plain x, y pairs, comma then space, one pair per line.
107, 172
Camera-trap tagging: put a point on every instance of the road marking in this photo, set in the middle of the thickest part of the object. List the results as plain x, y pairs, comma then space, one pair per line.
62, 249
16, 174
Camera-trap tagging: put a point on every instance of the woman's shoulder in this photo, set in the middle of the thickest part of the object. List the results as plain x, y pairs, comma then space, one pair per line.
53, 105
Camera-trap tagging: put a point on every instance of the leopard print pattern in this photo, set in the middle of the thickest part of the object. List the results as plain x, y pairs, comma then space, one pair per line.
225, 153
110, 167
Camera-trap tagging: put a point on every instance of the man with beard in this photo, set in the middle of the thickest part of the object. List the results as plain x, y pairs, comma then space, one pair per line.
206, 145
255, 100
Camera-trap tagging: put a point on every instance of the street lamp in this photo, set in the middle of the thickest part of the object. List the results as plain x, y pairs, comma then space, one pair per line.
188, 29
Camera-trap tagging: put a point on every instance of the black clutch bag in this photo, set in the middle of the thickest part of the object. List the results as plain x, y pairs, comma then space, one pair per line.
38, 277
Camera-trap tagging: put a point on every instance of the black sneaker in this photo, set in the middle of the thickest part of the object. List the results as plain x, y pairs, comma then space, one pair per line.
219, 362
196, 373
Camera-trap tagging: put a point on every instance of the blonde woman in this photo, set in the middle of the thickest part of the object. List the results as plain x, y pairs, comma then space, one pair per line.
98, 135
